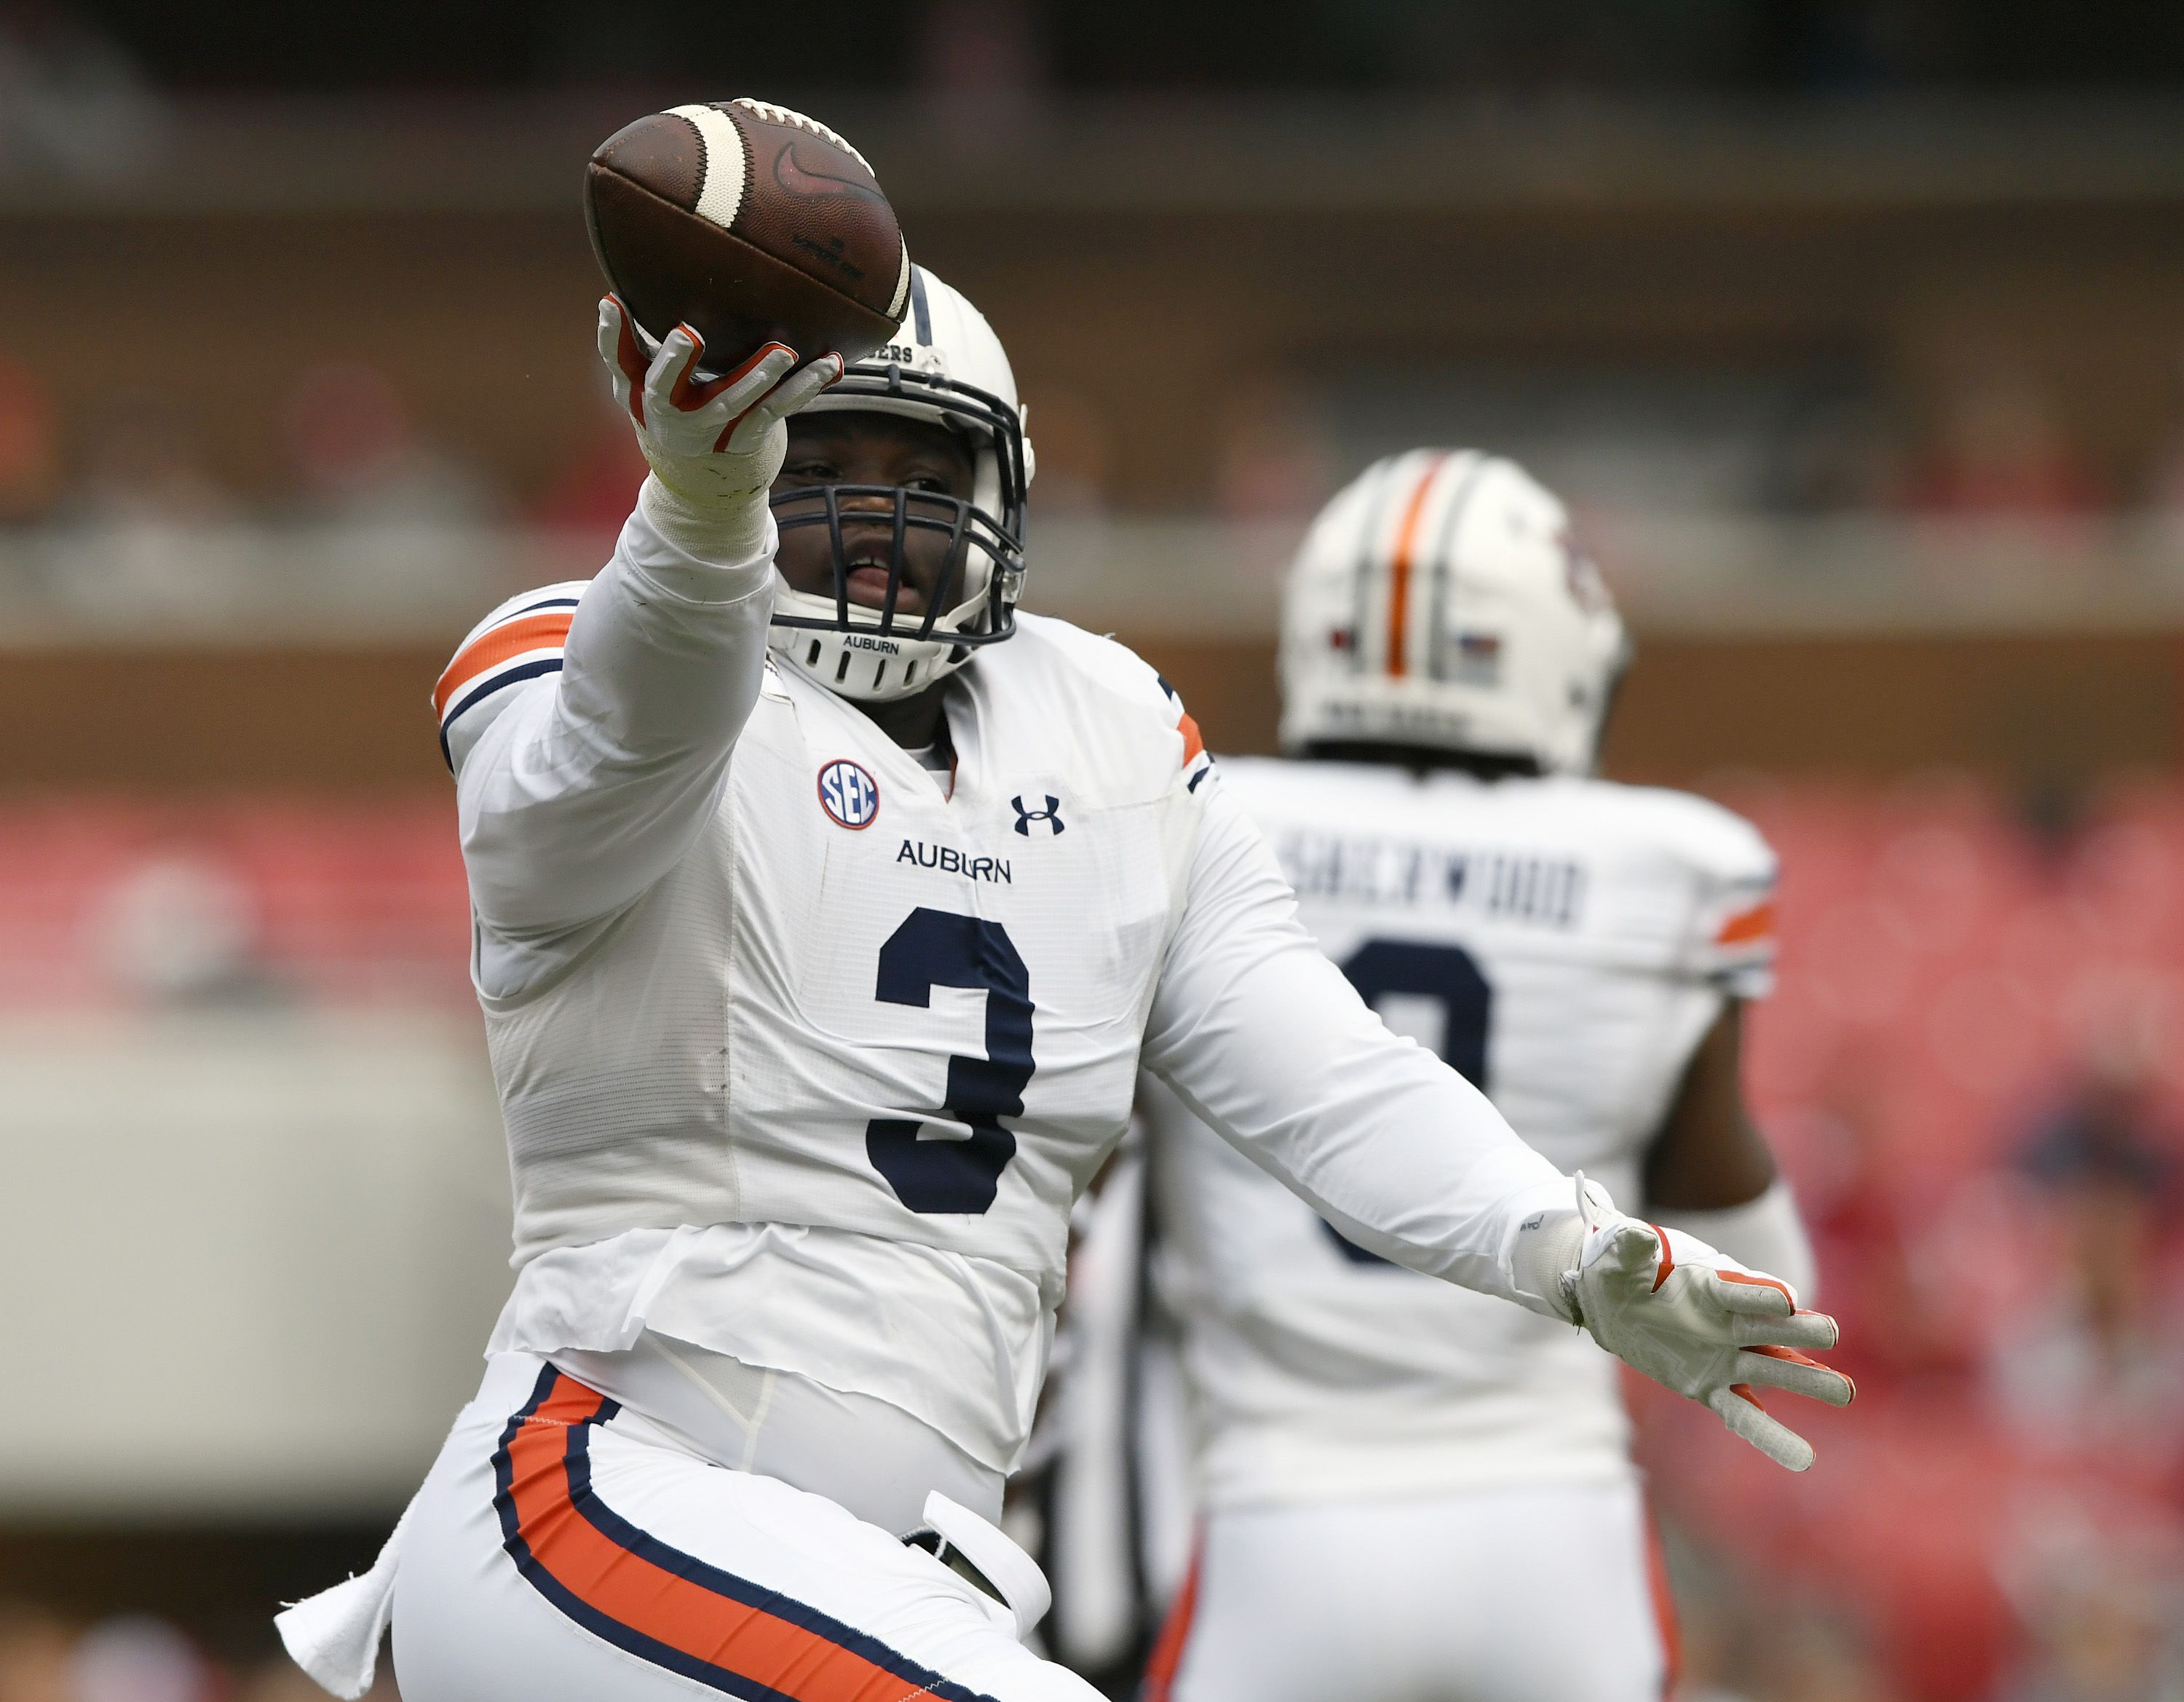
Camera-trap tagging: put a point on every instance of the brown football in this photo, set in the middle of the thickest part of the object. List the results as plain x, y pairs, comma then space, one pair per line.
751, 224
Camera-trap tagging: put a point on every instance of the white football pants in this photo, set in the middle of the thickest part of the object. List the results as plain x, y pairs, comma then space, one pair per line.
562, 1550
1531, 1594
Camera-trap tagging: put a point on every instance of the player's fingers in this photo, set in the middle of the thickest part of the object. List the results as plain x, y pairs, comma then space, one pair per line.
1813, 1332
1633, 1248
784, 400
801, 386
624, 356
734, 392
1753, 1296
1786, 1368
1739, 1409
725, 398
609, 331
675, 371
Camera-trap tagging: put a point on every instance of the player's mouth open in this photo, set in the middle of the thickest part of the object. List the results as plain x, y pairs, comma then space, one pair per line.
868, 584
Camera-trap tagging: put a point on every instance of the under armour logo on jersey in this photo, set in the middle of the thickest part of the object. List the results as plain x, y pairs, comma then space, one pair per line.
1051, 815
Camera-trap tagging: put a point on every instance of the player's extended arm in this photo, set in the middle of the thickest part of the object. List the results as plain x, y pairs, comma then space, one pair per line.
1264, 1040
584, 794
1709, 1171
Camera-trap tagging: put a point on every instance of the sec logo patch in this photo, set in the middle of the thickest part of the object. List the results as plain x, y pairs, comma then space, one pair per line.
849, 794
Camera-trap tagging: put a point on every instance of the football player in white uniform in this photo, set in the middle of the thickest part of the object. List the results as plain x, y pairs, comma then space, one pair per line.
820, 935
1410, 1492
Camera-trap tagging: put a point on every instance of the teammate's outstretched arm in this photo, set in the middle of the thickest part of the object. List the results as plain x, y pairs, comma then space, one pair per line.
1265, 1040
584, 792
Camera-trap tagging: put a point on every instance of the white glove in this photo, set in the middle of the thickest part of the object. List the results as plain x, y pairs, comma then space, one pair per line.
714, 444
1699, 1322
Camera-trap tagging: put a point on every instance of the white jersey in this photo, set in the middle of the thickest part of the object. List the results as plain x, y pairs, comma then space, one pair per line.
1564, 942
806, 1051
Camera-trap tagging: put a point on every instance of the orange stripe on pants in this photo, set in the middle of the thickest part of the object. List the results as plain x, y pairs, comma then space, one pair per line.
1166, 1658
1664, 1610
658, 1604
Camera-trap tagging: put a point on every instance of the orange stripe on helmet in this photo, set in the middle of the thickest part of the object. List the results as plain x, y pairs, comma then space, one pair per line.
1194, 745
490, 650
1399, 571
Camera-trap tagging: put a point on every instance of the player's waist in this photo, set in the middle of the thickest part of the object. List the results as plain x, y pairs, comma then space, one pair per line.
1335, 1386
864, 1453
1389, 1411
1326, 1453
1432, 1338
960, 1343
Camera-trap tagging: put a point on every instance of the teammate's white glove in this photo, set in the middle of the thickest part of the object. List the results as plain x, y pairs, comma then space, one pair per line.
714, 444
1699, 1322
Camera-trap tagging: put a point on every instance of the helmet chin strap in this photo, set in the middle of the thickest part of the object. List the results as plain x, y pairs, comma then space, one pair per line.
857, 677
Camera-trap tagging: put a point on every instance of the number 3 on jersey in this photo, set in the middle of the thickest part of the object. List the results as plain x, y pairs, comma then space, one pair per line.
939, 948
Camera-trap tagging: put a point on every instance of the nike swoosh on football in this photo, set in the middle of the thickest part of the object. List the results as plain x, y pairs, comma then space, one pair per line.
793, 177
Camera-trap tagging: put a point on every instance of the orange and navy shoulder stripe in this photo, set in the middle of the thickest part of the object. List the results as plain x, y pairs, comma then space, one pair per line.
651, 1600
519, 643
1196, 763
1751, 927
1745, 919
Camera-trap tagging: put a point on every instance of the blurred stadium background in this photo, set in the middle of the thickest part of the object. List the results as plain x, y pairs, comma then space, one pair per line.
1854, 330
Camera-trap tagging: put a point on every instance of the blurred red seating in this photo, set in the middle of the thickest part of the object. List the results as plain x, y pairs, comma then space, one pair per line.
106, 900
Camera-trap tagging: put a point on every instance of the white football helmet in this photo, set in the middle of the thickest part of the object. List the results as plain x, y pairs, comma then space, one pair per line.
1438, 602
946, 367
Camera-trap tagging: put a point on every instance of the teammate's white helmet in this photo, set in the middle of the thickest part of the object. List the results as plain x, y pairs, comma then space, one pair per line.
945, 367
1438, 602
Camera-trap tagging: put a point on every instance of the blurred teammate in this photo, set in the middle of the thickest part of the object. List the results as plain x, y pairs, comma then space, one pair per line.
820, 936
1412, 1494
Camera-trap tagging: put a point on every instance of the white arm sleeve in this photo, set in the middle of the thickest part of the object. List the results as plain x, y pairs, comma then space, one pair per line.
1767, 1233
587, 790
1263, 1039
